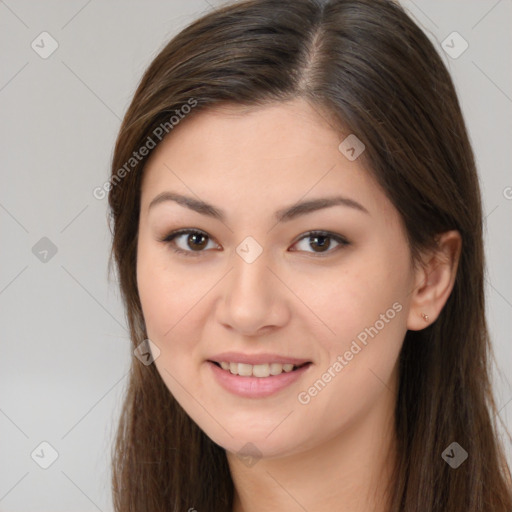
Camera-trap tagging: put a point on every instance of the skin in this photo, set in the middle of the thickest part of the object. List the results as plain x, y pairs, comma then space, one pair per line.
335, 452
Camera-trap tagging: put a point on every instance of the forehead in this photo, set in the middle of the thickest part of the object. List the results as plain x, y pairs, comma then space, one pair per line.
276, 153
231, 132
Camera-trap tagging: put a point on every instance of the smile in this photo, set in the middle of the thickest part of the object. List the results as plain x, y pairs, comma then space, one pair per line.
258, 370
258, 380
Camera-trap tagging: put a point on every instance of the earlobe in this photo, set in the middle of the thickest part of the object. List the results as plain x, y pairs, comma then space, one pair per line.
434, 281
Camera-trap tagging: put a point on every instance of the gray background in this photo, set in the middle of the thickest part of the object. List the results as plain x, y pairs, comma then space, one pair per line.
64, 344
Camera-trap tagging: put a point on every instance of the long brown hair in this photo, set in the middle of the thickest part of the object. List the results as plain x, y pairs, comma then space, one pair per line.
366, 63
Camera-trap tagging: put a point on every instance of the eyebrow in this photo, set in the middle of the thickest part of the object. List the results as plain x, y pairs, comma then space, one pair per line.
283, 215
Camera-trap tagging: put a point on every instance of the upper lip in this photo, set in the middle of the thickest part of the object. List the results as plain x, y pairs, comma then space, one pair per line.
237, 357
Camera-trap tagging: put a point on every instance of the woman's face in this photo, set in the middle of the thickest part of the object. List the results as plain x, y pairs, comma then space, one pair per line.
251, 284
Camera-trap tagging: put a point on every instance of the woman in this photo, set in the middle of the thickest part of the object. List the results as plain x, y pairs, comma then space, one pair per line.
298, 234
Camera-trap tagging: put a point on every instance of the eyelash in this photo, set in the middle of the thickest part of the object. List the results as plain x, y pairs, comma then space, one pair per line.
343, 242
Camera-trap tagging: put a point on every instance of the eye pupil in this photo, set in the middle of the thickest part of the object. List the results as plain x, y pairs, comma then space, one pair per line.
322, 241
194, 237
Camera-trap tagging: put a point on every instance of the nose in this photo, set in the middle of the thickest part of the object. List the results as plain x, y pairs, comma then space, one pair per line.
254, 300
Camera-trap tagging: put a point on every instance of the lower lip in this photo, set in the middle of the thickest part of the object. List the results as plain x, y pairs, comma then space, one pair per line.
255, 387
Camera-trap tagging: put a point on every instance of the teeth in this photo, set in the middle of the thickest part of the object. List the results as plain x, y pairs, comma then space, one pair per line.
257, 370
261, 370
245, 370
276, 369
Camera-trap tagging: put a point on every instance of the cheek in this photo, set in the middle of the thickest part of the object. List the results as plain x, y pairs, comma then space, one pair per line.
347, 300
158, 298
166, 308
166, 294
363, 309
358, 369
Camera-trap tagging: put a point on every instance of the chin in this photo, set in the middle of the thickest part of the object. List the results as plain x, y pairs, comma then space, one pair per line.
245, 444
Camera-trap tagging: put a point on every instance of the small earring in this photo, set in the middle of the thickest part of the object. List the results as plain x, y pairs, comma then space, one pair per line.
424, 316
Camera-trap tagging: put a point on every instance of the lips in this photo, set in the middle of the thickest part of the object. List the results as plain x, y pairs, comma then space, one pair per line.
253, 386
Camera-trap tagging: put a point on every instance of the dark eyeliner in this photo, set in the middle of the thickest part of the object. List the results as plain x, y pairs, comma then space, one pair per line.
171, 236
333, 236
342, 241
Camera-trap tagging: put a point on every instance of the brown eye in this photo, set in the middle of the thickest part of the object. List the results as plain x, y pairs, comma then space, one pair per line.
189, 242
197, 241
322, 242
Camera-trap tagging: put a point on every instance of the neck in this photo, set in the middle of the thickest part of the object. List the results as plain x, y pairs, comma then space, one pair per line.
348, 473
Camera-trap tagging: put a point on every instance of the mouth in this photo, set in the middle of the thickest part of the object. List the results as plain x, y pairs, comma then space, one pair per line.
263, 370
260, 380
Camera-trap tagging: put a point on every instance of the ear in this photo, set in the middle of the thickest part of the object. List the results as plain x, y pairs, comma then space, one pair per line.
434, 281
